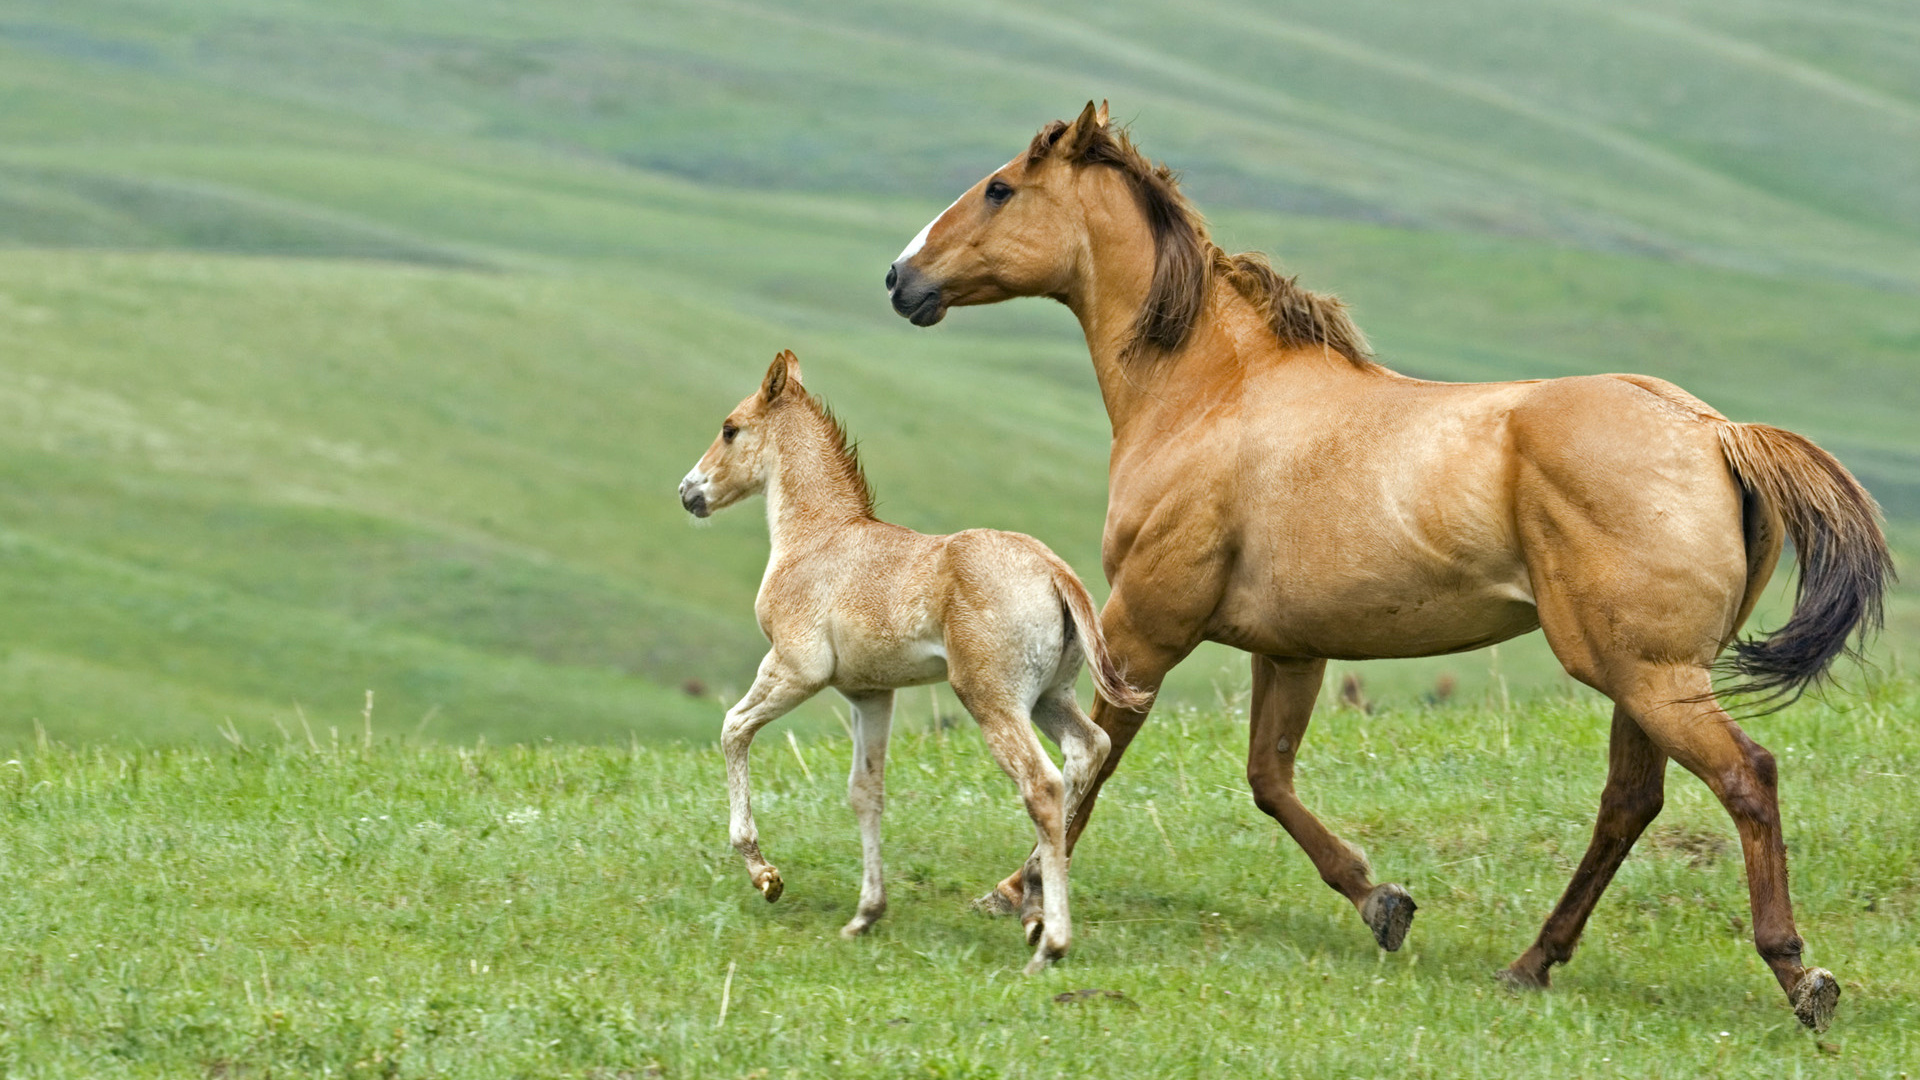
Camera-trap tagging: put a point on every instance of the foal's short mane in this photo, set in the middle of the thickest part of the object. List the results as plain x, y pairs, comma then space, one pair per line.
843, 453
1186, 261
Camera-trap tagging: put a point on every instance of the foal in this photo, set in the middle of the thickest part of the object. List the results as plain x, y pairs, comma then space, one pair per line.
864, 607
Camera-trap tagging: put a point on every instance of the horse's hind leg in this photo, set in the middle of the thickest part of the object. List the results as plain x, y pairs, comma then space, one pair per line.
1283, 696
1676, 708
866, 793
1636, 777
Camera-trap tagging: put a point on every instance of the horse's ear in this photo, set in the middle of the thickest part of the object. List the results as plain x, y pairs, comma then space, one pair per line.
1079, 134
793, 366
1100, 118
776, 380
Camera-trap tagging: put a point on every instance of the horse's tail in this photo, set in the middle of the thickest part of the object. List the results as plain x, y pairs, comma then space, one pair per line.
1084, 622
1839, 547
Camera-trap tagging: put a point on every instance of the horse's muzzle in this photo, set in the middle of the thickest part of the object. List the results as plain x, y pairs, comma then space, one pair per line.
913, 295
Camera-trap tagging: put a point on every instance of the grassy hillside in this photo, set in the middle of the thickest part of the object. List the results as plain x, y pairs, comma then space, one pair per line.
570, 911
353, 346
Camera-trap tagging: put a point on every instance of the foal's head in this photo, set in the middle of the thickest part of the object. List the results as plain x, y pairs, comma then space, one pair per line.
738, 463
782, 427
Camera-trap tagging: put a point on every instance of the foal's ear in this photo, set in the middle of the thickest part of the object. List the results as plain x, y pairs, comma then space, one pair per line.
1079, 134
785, 371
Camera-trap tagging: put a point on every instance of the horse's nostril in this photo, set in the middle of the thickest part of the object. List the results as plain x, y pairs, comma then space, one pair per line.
893, 277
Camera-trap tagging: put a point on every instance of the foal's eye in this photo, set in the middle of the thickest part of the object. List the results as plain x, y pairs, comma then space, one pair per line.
728, 431
999, 192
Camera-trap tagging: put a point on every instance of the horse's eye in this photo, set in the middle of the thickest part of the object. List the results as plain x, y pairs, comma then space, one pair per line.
728, 431
999, 192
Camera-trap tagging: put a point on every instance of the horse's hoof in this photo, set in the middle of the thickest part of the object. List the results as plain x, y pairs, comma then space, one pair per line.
1388, 911
1035, 927
996, 902
1814, 998
770, 885
1038, 964
859, 926
1521, 981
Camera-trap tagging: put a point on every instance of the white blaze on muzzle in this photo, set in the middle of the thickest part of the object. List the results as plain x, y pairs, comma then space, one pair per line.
920, 238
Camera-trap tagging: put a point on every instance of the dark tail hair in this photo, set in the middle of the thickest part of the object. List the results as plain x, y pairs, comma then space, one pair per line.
1840, 549
1107, 676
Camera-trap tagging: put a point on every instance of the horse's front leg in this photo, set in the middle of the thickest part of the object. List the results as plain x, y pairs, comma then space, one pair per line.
1283, 696
866, 792
775, 692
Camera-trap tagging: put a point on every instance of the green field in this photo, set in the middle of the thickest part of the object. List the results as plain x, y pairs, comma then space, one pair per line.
358, 347
286, 908
351, 347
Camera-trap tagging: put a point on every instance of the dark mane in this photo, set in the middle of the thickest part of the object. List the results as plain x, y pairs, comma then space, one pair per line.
844, 453
1186, 260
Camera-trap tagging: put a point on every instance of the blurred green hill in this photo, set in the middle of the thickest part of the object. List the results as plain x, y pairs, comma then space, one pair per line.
357, 346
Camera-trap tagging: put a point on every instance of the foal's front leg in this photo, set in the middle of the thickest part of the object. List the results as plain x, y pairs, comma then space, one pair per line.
866, 792
775, 692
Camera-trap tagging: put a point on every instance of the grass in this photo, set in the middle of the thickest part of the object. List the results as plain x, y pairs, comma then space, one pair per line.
398, 909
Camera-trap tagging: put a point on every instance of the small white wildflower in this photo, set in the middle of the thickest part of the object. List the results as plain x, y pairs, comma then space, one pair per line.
526, 815
428, 826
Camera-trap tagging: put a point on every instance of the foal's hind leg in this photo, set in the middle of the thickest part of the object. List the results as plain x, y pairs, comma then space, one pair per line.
866, 792
1636, 775
1141, 637
1283, 696
1009, 735
1083, 749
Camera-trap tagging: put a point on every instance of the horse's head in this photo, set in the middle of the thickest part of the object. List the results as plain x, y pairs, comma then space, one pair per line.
1021, 231
738, 463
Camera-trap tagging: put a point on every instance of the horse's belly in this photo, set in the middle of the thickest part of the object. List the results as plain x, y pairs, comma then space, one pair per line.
1362, 624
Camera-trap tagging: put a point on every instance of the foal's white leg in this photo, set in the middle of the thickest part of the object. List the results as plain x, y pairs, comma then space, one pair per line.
1046, 795
1010, 736
1083, 746
866, 792
775, 692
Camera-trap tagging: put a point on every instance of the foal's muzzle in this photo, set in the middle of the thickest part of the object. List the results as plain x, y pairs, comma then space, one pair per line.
914, 295
693, 498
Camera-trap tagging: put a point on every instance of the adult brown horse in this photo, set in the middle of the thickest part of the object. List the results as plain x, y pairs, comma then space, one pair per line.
1274, 489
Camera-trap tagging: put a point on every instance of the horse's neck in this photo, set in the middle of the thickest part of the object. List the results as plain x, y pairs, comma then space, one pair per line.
1230, 338
809, 502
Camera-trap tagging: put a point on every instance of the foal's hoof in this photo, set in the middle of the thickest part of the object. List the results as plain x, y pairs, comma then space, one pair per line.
1035, 927
860, 925
1388, 911
1041, 960
997, 902
770, 885
1814, 998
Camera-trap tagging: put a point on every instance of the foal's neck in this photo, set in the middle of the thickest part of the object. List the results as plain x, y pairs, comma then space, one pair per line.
816, 489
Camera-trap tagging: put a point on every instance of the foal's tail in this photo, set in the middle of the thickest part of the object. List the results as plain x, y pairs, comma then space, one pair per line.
1085, 623
1839, 547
